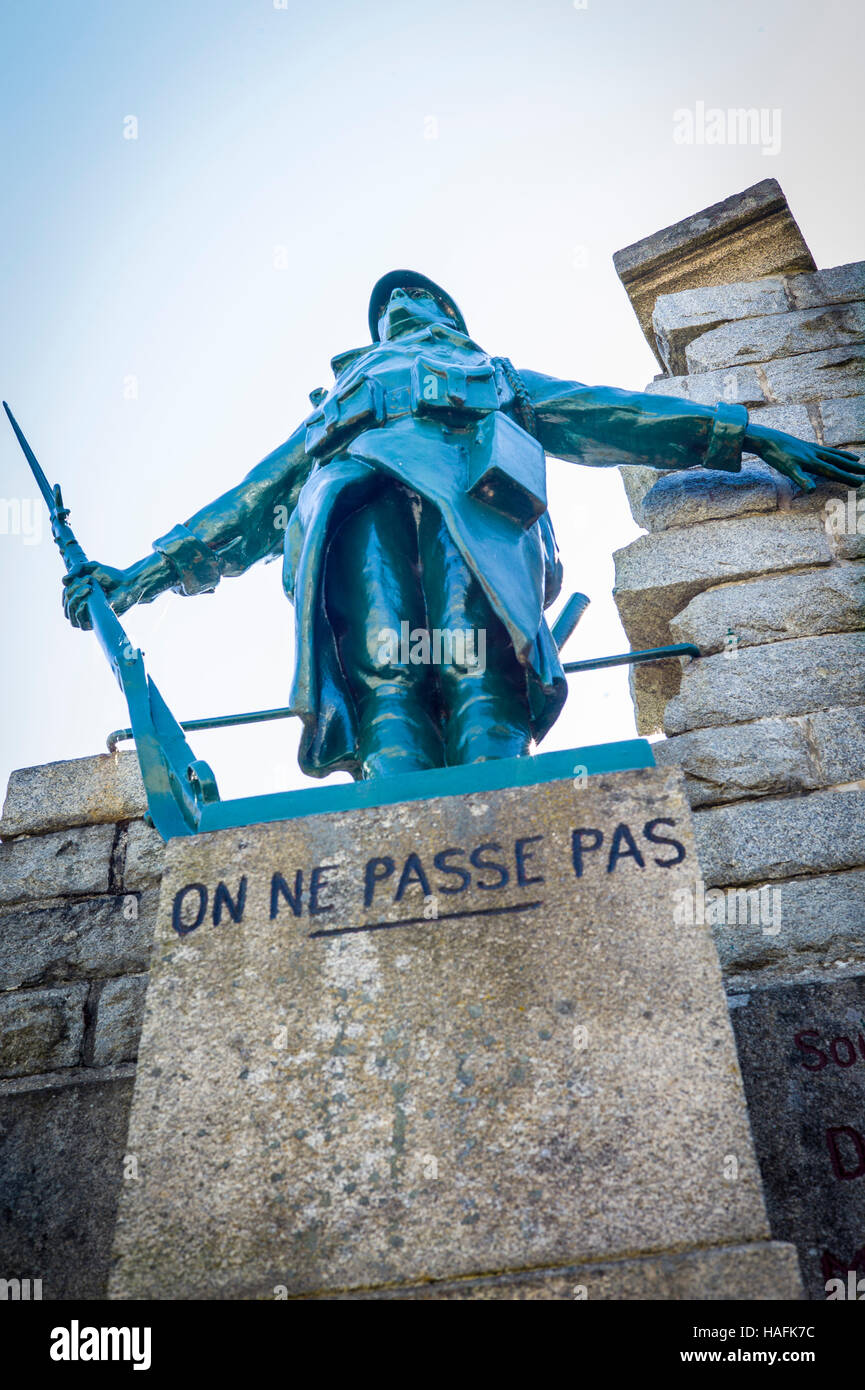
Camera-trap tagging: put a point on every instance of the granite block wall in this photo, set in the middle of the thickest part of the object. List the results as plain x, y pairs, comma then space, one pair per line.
79, 883
768, 725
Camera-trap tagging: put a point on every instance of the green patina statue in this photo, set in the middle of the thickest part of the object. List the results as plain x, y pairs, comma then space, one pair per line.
410, 509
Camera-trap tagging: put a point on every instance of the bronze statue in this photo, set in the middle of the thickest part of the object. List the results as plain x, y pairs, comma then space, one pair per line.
410, 509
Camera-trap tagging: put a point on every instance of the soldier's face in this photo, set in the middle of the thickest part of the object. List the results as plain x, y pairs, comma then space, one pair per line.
410, 309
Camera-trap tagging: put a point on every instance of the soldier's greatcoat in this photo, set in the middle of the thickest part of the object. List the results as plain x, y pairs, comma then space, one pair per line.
409, 410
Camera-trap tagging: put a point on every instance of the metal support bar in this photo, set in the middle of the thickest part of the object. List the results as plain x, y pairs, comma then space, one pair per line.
219, 721
595, 663
260, 716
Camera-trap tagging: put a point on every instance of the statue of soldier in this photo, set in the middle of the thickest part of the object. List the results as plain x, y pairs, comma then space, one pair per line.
412, 499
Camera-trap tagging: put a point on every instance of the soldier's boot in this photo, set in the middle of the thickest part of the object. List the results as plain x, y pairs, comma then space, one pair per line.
372, 588
482, 686
395, 734
483, 723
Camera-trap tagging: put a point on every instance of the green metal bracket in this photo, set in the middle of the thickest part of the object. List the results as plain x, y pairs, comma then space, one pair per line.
439, 781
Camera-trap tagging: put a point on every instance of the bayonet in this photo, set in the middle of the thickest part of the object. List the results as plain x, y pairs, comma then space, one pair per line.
44, 487
68, 546
177, 784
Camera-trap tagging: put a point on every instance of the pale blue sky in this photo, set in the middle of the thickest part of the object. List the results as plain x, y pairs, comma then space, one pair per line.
299, 135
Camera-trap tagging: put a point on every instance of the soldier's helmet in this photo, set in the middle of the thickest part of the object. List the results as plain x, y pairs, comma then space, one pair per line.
409, 280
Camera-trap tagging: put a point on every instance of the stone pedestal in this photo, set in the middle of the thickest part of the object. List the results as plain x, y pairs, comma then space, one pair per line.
448, 1048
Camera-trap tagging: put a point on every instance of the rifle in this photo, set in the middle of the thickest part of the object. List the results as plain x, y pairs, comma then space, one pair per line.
178, 785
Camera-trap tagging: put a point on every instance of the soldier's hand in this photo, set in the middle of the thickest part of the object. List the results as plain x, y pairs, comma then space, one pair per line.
802, 462
78, 586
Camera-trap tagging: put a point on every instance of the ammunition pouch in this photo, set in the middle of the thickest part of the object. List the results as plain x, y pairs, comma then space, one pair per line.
453, 394
359, 407
507, 470
448, 389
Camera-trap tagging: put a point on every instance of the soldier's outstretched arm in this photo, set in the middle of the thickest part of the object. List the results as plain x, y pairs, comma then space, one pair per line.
603, 426
226, 537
